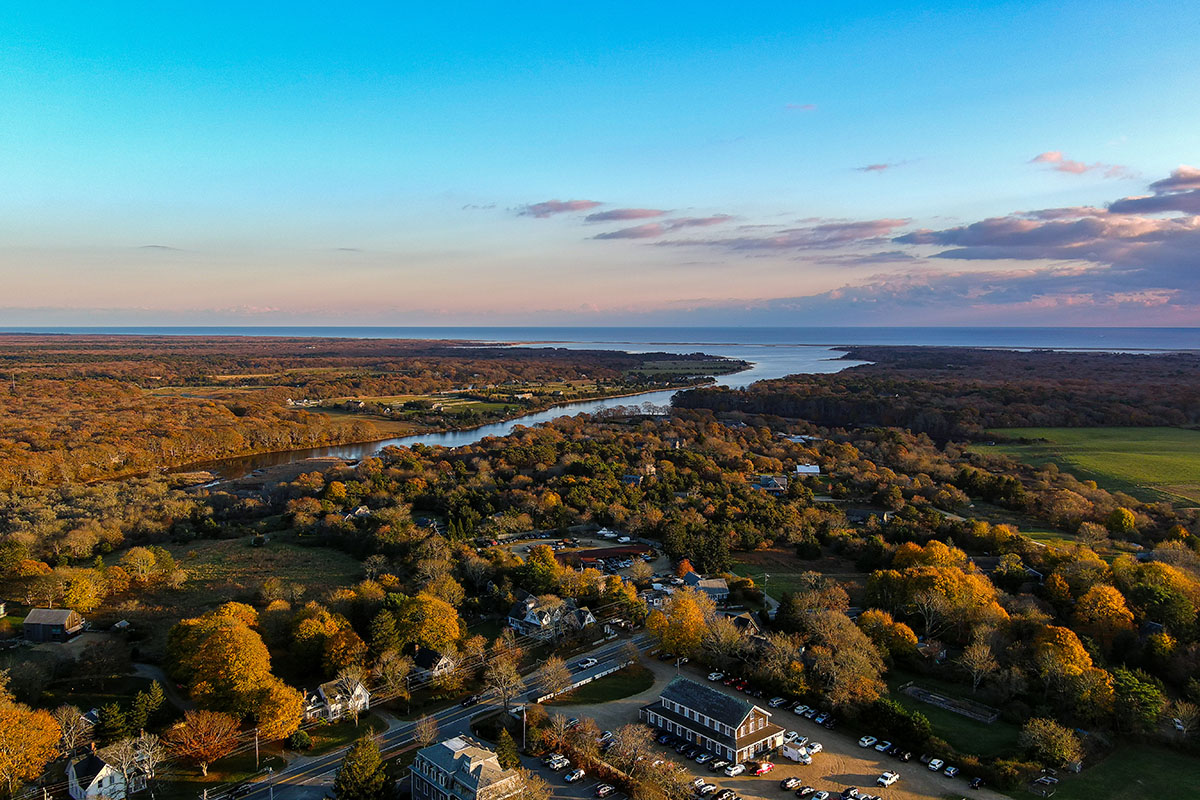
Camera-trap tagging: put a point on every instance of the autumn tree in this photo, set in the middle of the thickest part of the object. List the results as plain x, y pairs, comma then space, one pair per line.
425, 732
279, 710
202, 737
1050, 742
530, 786
392, 671
363, 773
681, 627
29, 739
221, 658
1102, 614
894, 639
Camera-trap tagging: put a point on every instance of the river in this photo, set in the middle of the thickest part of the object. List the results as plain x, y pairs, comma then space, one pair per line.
767, 361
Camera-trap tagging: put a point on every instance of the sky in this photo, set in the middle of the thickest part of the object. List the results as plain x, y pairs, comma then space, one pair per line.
697, 163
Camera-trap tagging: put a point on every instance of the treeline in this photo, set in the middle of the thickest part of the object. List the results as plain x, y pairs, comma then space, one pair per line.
959, 393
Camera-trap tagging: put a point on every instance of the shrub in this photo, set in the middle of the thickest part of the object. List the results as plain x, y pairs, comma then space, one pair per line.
300, 740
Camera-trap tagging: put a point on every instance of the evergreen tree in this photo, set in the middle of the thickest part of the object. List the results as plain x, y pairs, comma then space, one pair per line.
363, 775
506, 750
112, 725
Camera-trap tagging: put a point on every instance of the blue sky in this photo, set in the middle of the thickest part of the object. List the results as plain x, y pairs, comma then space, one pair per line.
781, 164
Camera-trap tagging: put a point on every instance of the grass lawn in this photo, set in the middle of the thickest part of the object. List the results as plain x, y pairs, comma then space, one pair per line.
1148, 463
230, 569
340, 734
87, 695
188, 784
963, 733
623, 683
785, 569
1133, 770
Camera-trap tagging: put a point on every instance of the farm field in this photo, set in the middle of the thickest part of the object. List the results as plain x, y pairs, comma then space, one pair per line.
1148, 463
1132, 770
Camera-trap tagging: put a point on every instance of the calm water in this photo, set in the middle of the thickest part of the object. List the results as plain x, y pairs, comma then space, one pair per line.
1060, 338
769, 361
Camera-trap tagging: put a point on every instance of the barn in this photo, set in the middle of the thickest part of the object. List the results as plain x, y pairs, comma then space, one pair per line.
52, 624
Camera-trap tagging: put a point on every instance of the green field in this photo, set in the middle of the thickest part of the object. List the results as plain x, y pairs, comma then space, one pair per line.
1133, 770
624, 683
1148, 463
966, 735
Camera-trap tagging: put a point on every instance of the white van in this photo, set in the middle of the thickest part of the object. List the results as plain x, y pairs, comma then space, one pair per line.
794, 753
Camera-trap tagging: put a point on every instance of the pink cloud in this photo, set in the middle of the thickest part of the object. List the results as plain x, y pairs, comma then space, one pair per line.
882, 167
1181, 178
653, 230
624, 214
830, 234
1060, 163
801, 107
549, 208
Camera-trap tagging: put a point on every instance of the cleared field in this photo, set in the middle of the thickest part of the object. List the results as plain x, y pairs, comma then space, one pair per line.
1148, 463
1133, 770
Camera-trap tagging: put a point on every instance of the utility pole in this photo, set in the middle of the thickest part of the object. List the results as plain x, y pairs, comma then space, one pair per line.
256, 748
523, 727
270, 782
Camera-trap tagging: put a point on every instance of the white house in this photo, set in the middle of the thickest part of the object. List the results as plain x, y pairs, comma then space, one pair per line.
430, 664
547, 620
93, 778
808, 469
332, 702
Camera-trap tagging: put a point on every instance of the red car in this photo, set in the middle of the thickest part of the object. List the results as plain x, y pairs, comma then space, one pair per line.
763, 768
741, 685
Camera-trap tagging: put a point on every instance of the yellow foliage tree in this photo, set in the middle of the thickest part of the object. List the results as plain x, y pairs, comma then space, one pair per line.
279, 710
1103, 614
28, 741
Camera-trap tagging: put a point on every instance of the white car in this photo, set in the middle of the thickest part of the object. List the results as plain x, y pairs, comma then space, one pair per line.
776, 702
733, 770
815, 747
574, 775
790, 737
716, 676
559, 764
867, 741
821, 795
706, 789
800, 709
883, 746
887, 778
935, 765
587, 663
624, 539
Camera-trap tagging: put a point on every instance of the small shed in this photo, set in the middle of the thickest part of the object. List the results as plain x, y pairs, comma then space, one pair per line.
52, 624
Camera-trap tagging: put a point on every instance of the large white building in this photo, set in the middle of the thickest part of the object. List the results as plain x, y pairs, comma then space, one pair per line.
727, 726
461, 769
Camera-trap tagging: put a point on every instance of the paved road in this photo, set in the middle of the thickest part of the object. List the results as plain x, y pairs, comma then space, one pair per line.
311, 779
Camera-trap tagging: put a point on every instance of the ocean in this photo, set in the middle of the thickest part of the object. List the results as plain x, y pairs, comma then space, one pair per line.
1108, 339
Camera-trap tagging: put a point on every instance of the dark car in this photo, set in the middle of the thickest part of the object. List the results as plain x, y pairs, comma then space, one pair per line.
830, 723
692, 752
805, 791
679, 748
664, 738
906, 756
470, 700
893, 751
242, 790
666, 656
975, 783
789, 783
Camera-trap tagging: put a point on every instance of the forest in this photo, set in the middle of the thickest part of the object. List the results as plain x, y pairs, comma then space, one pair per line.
1092, 624
82, 408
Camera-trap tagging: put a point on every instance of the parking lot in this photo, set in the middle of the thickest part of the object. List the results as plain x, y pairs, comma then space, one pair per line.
841, 762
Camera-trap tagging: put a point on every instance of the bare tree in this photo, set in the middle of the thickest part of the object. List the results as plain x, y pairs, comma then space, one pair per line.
1184, 716
978, 660
392, 671
932, 608
74, 729
503, 678
554, 676
531, 786
426, 731
555, 735
151, 753
348, 682
630, 744
123, 757
724, 641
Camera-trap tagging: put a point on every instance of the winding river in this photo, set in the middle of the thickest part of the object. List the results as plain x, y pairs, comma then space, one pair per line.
767, 361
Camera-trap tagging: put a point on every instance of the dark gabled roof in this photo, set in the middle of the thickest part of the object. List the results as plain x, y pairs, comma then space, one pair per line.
88, 768
427, 658
710, 702
49, 616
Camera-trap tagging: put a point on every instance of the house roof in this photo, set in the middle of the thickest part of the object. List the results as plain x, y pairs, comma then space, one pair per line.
87, 768
333, 693
710, 702
427, 658
468, 762
49, 616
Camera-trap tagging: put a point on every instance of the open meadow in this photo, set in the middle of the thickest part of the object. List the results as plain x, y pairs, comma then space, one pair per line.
1149, 463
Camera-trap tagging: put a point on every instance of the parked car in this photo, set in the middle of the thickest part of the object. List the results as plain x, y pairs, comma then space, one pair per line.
664, 738
546, 759
975, 783
666, 656
733, 770
604, 790
606, 736
790, 737
679, 748
906, 756
698, 783
572, 722
716, 676
800, 708
887, 779
730, 681
704, 758
763, 768
559, 764
717, 764
810, 713
692, 752
724, 794
805, 791
706, 789
894, 750
882, 747
588, 663
936, 764
776, 702
789, 783
950, 771
867, 741
574, 775
824, 715
821, 795
815, 747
